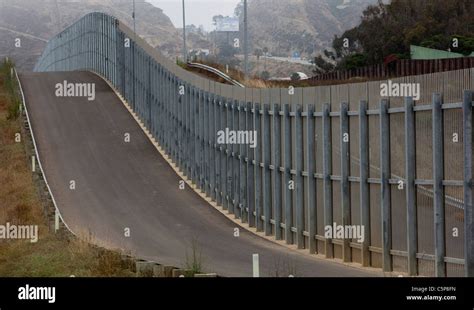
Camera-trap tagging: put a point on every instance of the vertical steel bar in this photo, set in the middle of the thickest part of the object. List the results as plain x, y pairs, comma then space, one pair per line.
345, 167
410, 172
212, 141
251, 169
385, 186
296, 193
224, 155
236, 161
309, 182
285, 169
438, 188
277, 178
327, 171
364, 185
274, 191
468, 185
257, 173
266, 186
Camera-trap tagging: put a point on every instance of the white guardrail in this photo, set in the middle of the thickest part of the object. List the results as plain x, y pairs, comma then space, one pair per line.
216, 72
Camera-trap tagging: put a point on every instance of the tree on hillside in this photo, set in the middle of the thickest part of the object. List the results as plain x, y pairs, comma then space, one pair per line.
390, 29
321, 65
295, 77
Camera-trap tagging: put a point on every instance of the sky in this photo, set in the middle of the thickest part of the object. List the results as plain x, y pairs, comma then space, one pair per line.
198, 12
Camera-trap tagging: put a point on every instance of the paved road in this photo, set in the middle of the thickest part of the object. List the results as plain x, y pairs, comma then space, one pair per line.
129, 185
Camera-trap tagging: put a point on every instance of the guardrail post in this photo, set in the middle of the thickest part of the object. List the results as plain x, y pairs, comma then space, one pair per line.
327, 171
385, 186
438, 188
410, 172
468, 185
364, 184
345, 167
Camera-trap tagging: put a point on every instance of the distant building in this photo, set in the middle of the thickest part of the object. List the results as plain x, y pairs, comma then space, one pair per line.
424, 53
200, 52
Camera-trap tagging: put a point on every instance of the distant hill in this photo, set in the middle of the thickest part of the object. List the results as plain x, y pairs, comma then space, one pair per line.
286, 26
36, 21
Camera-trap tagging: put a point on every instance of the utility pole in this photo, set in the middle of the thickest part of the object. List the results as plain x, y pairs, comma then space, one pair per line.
133, 51
246, 45
185, 50
133, 16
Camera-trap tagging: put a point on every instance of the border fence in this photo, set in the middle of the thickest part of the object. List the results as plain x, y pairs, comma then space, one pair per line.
402, 67
329, 154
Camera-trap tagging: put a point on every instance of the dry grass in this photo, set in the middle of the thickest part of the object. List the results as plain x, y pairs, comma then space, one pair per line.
20, 204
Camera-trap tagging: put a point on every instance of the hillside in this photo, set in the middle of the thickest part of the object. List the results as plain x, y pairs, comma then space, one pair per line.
286, 26
390, 29
37, 21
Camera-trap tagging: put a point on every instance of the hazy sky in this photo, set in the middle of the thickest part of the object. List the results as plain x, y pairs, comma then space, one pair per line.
198, 12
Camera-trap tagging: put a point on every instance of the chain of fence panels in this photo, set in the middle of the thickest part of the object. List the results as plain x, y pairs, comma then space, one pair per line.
303, 160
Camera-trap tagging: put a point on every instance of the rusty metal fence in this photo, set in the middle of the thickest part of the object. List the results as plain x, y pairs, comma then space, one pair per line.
399, 167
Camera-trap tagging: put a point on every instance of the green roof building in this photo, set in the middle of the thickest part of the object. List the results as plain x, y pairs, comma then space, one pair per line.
419, 52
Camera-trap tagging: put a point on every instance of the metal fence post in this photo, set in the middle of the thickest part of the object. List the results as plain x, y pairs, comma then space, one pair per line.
207, 143
219, 148
237, 163
265, 162
327, 170
468, 186
385, 186
285, 167
345, 167
242, 165
251, 170
309, 182
438, 188
364, 185
276, 179
410, 172
296, 162
224, 158
229, 159
213, 147
258, 173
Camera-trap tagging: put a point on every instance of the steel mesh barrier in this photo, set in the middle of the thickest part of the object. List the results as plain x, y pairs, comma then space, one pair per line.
337, 154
